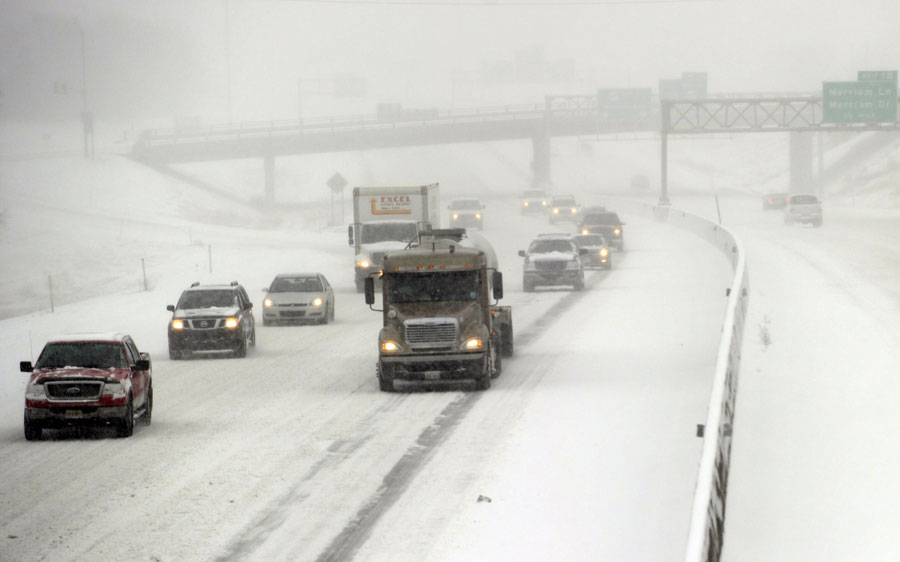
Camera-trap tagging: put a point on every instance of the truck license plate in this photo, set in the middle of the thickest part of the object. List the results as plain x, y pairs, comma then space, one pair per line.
432, 375
74, 414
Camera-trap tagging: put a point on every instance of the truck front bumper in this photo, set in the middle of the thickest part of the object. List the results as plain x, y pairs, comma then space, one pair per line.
444, 367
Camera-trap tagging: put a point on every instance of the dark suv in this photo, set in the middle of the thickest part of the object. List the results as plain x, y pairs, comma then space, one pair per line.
212, 319
607, 223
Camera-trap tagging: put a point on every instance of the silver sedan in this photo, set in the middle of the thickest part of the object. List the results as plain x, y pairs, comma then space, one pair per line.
298, 297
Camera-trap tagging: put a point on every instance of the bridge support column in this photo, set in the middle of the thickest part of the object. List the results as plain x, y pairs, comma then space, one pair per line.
801, 151
540, 162
269, 166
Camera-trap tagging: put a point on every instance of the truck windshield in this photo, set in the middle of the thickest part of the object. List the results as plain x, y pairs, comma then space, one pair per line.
388, 231
458, 286
82, 354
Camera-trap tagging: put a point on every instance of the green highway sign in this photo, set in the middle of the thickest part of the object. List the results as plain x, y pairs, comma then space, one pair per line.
860, 102
877, 76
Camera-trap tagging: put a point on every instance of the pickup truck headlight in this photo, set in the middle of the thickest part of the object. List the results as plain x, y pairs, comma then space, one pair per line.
231, 323
177, 324
114, 389
389, 346
573, 264
473, 344
35, 392
363, 264
585, 230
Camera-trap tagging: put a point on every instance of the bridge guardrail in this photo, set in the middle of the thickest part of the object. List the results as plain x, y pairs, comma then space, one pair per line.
707, 529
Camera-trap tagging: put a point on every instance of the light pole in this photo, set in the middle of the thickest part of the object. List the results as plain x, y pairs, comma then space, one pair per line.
228, 58
87, 118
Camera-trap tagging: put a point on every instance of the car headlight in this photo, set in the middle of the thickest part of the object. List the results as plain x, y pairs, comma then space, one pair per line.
35, 391
455, 216
555, 211
472, 344
544, 203
617, 231
268, 303
114, 389
389, 346
585, 231
364, 264
477, 216
525, 203
574, 211
177, 324
231, 323
317, 301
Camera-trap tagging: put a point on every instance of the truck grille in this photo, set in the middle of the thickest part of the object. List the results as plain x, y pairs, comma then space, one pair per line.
549, 265
431, 332
74, 390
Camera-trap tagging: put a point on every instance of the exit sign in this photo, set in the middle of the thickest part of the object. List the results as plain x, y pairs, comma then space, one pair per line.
877, 76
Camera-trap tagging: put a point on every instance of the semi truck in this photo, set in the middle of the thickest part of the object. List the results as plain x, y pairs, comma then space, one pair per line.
389, 218
442, 324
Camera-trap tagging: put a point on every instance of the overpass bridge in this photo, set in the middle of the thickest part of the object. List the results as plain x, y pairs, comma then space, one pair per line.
558, 116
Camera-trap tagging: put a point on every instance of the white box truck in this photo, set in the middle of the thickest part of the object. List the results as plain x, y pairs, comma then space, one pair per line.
389, 218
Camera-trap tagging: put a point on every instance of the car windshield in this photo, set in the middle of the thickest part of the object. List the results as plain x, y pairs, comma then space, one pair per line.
586, 240
466, 204
388, 231
458, 286
207, 299
563, 202
82, 354
533, 195
296, 285
602, 218
804, 199
547, 246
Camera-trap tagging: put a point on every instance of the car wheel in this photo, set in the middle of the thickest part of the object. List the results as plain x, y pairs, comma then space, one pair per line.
253, 337
332, 311
385, 376
326, 316
147, 417
33, 431
125, 427
241, 350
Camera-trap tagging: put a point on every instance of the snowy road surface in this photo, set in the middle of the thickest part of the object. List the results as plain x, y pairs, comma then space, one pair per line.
292, 453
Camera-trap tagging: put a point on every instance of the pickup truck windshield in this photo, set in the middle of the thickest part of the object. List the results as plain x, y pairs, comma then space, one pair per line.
456, 286
388, 231
82, 354
207, 299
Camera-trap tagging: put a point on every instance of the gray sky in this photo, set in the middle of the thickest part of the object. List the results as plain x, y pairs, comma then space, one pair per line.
434, 54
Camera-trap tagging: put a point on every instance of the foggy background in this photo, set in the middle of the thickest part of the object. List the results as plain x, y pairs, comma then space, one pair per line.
171, 62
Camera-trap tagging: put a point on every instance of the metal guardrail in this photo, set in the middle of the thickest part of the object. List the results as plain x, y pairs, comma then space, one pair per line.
706, 535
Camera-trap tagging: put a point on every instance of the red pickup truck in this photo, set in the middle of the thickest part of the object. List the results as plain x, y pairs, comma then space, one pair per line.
88, 379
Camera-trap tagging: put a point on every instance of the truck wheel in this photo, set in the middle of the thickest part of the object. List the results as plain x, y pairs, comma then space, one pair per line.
506, 337
147, 417
497, 354
125, 427
385, 376
33, 431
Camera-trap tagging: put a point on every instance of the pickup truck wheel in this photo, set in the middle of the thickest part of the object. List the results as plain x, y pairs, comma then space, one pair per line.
125, 427
33, 431
385, 376
147, 417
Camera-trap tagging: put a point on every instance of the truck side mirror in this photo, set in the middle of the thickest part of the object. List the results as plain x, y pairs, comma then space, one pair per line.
370, 290
350, 235
498, 285
522, 253
170, 308
582, 251
25, 367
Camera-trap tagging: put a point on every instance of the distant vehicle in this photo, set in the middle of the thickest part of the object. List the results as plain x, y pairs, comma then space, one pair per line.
804, 208
534, 201
598, 253
563, 208
775, 200
640, 182
88, 380
466, 212
298, 297
553, 260
597, 220
212, 319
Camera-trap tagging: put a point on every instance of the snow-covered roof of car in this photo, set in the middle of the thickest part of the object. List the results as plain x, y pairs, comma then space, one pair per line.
89, 336
296, 275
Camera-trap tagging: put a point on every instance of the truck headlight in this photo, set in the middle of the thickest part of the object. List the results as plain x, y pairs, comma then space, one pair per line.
231, 323
389, 346
525, 203
317, 301
473, 344
114, 389
363, 264
455, 216
604, 252
573, 264
478, 216
585, 231
268, 303
177, 324
35, 392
